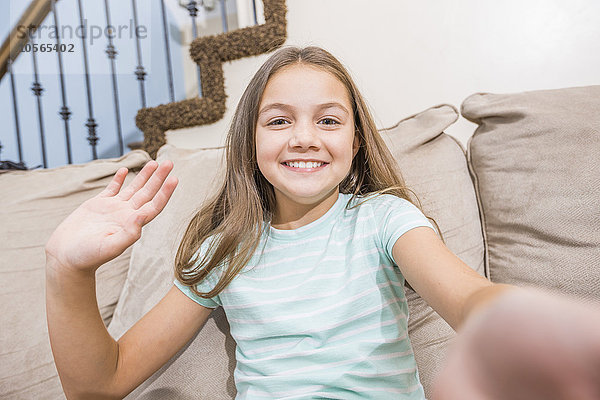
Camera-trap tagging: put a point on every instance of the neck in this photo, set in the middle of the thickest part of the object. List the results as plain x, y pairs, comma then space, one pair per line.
293, 214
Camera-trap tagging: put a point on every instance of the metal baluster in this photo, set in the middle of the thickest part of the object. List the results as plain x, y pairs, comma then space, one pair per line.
224, 16
139, 70
111, 52
15, 109
91, 123
37, 91
194, 13
64, 110
254, 8
167, 51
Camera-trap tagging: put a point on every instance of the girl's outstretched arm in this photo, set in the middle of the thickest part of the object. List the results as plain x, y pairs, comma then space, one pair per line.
526, 345
442, 279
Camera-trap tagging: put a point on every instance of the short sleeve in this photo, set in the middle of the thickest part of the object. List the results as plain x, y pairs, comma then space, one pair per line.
396, 216
213, 302
205, 286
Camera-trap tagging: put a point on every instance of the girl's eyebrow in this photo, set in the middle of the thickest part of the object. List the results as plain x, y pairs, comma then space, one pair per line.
288, 107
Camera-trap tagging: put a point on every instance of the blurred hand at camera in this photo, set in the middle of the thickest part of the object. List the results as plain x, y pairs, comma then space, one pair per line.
527, 345
103, 227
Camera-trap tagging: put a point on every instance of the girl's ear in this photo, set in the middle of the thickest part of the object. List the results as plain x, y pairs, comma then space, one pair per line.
355, 145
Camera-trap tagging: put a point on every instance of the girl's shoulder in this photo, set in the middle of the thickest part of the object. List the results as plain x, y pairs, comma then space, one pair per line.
382, 200
383, 206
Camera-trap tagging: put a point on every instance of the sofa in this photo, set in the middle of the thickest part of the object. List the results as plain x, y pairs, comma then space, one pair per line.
519, 205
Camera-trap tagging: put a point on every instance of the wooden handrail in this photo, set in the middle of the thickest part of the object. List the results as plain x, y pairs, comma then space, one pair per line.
33, 16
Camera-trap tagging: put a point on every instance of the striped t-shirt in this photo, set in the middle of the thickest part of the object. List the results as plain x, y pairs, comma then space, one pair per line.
321, 313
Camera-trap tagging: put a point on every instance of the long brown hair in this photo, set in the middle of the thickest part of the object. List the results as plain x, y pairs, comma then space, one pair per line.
235, 214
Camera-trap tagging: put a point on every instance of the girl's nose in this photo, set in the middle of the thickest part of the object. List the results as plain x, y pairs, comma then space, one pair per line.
304, 134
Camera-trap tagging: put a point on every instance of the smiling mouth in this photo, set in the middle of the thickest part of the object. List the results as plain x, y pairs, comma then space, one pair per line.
298, 169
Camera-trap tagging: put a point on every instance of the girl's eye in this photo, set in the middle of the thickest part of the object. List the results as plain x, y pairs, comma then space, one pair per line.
333, 121
281, 121
276, 120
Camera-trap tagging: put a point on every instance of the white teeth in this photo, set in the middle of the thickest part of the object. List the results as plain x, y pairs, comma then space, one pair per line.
303, 164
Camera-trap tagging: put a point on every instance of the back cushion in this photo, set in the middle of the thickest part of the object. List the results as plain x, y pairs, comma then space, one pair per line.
434, 167
203, 368
535, 159
36, 202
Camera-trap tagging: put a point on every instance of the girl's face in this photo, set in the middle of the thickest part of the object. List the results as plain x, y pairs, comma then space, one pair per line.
305, 114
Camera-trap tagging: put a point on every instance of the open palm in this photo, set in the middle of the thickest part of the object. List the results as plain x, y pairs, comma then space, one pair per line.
103, 227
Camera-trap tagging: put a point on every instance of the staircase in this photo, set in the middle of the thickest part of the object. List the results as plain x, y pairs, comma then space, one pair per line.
75, 74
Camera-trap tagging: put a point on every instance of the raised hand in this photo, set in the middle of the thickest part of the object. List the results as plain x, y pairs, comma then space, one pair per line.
103, 227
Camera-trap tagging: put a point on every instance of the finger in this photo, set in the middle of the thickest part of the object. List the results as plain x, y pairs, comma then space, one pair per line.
158, 203
115, 184
139, 181
153, 185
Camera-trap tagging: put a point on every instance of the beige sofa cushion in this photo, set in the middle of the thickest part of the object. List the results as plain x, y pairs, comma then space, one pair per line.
434, 166
35, 202
535, 159
204, 367
433, 163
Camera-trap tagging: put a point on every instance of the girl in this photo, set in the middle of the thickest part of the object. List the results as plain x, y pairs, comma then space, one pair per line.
306, 245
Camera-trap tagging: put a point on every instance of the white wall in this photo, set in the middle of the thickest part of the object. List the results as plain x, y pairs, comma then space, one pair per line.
406, 56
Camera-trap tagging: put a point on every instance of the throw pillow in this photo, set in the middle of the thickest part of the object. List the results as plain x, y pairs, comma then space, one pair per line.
535, 159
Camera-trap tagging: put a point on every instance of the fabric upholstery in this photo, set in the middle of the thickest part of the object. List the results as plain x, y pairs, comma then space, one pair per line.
534, 162
535, 158
205, 369
34, 204
433, 165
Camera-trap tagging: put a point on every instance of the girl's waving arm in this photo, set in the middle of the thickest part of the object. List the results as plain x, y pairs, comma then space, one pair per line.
445, 282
